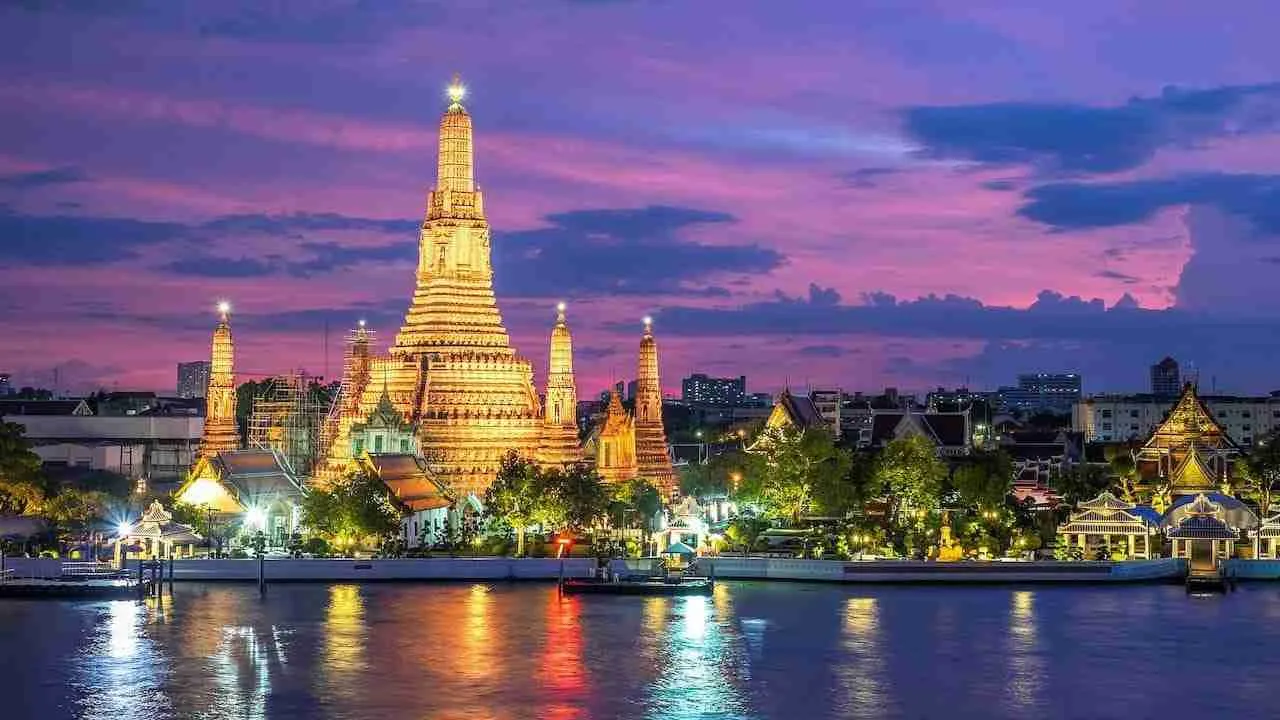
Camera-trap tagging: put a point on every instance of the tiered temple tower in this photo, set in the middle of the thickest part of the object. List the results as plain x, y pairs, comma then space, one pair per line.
452, 371
220, 432
615, 444
560, 444
652, 460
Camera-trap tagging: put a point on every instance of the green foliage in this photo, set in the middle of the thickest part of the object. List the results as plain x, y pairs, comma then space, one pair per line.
985, 480
71, 510
21, 490
634, 504
1079, 482
580, 493
524, 495
744, 531
790, 468
515, 495
357, 511
1260, 472
316, 547
910, 474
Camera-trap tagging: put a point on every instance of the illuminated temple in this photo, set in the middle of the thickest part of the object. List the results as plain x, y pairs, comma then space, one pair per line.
220, 433
452, 376
1189, 453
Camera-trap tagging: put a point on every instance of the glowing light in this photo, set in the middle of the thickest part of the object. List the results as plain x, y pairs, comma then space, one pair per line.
124, 529
362, 322
255, 517
224, 308
648, 320
457, 90
560, 306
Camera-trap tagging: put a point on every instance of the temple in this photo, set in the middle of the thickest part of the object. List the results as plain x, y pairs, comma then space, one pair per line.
1189, 453
220, 433
559, 444
452, 389
653, 463
613, 444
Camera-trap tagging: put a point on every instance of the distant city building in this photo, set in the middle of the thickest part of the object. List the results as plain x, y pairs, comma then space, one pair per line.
193, 379
1041, 392
1117, 418
1166, 379
701, 389
760, 399
6, 386
830, 403
65, 433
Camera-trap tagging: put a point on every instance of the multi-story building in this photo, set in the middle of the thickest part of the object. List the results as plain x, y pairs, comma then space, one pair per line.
6, 384
1117, 418
830, 403
1166, 380
156, 448
193, 379
701, 389
1041, 392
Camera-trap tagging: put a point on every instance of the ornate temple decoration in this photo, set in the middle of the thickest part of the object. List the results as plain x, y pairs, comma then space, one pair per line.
652, 459
1189, 453
220, 433
1109, 521
614, 443
559, 444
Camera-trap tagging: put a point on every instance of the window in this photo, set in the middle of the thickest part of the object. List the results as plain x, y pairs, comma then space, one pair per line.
1247, 428
1133, 413
1106, 426
377, 443
1246, 440
1106, 413
404, 445
359, 446
1133, 428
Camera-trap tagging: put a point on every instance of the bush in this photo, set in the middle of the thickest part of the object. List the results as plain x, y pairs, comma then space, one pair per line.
316, 547
238, 554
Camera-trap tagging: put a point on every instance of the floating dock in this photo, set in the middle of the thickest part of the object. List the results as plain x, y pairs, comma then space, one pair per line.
656, 586
63, 589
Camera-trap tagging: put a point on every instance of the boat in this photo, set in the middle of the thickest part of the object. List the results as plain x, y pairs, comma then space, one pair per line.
639, 586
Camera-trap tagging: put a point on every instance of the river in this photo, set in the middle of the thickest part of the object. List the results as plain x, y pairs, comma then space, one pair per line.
753, 650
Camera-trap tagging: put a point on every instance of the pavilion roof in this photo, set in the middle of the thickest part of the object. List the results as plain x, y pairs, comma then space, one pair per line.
1202, 527
1106, 501
1189, 423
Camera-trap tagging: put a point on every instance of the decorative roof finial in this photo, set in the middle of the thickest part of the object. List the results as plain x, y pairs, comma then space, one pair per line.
457, 91
648, 325
224, 310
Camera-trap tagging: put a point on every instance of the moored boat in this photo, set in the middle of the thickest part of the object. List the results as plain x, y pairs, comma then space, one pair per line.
639, 586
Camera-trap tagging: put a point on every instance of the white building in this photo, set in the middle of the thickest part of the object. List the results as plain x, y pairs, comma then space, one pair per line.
1117, 418
138, 446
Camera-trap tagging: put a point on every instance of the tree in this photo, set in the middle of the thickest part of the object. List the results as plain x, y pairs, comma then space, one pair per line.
1260, 472
357, 510
909, 473
21, 490
634, 501
744, 530
581, 493
71, 510
985, 480
1120, 460
789, 466
516, 495
1078, 482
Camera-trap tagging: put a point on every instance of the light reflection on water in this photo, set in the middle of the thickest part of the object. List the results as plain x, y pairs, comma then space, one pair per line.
515, 651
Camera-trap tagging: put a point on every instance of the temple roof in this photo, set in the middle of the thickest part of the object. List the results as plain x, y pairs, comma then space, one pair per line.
256, 474
1230, 511
1202, 527
944, 429
1106, 501
409, 479
1192, 474
1189, 423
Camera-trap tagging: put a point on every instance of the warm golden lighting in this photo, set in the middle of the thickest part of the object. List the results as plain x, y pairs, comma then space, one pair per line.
362, 322
457, 90
224, 308
648, 320
560, 306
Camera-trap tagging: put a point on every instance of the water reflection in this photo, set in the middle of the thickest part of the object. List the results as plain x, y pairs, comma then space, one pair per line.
121, 673
700, 663
1026, 669
861, 675
562, 670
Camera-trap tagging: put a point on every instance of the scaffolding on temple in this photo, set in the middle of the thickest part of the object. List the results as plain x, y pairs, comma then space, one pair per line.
344, 407
286, 417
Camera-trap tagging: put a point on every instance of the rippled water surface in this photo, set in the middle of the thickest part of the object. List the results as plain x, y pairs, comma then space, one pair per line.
750, 651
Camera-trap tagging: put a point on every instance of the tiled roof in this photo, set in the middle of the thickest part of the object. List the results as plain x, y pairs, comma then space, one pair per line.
1202, 527
948, 428
255, 474
408, 478
801, 410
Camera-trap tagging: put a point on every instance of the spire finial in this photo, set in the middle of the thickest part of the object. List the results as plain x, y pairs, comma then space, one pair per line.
224, 310
648, 325
457, 91
560, 308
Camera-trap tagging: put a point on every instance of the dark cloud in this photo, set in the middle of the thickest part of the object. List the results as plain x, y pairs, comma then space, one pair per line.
346, 21
826, 351
303, 222
594, 353
202, 265
1091, 139
1114, 275
317, 258
621, 252
1000, 185
867, 177
68, 240
42, 178
1065, 206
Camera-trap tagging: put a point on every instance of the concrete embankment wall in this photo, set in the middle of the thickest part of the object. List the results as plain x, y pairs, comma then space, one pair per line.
292, 570
1252, 569
931, 572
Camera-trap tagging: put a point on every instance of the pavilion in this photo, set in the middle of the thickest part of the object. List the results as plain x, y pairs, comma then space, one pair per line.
1202, 536
155, 535
1265, 538
1105, 519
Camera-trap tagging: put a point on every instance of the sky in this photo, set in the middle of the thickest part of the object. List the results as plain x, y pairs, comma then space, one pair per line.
860, 194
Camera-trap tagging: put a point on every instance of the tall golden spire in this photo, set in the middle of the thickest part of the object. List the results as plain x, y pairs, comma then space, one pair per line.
220, 432
455, 170
559, 443
652, 459
615, 443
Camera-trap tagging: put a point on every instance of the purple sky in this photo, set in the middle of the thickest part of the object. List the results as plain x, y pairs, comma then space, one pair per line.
823, 193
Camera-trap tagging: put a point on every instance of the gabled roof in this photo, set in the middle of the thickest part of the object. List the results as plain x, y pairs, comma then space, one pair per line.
410, 481
1202, 527
257, 475
948, 428
798, 411
943, 429
1192, 474
1189, 423
44, 407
